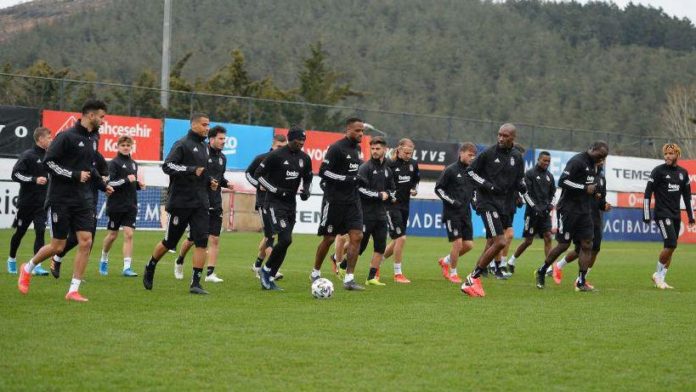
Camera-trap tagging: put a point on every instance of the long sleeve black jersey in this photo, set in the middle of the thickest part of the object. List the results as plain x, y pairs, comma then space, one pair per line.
406, 178
186, 189
281, 173
250, 176
455, 187
498, 172
217, 164
541, 188
669, 183
375, 177
125, 196
71, 152
340, 171
579, 173
28, 167
599, 202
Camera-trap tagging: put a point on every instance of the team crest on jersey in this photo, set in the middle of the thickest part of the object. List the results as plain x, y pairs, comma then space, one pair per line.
134, 168
220, 161
495, 214
668, 221
512, 161
329, 229
548, 178
410, 167
301, 163
175, 221
681, 176
94, 145
55, 217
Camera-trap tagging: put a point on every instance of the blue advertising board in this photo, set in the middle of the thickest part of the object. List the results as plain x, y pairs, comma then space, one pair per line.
626, 224
149, 201
244, 142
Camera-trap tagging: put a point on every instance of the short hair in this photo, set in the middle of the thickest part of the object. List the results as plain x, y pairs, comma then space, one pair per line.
93, 105
280, 138
544, 153
599, 144
672, 146
378, 140
467, 146
510, 127
124, 139
351, 120
40, 132
214, 131
195, 116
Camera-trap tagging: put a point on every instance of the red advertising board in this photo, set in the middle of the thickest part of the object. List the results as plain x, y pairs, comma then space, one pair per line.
146, 133
318, 143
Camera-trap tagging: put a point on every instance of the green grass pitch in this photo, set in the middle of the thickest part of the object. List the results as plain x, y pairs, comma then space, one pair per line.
422, 336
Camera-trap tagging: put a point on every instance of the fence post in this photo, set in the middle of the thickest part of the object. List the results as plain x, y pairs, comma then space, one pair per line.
61, 100
191, 104
250, 109
130, 100
532, 141
449, 128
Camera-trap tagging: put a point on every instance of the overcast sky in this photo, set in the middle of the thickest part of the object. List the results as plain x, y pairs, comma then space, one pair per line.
679, 8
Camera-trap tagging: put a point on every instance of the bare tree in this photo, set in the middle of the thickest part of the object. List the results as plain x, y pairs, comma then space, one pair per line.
679, 118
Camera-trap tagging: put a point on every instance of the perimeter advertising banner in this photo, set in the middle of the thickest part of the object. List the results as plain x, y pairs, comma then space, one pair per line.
626, 224
318, 142
17, 126
628, 174
432, 157
244, 142
146, 133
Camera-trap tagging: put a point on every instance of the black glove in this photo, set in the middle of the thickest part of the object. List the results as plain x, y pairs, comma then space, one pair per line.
646, 220
691, 221
304, 195
495, 191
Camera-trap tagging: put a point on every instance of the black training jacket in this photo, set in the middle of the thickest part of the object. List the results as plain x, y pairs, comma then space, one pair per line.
125, 196
260, 194
28, 167
186, 190
579, 173
340, 171
217, 165
455, 187
498, 173
406, 178
71, 152
281, 173
375, 177
669, 184
541, 189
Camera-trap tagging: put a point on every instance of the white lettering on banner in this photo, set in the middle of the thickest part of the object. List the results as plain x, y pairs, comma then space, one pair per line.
9, 196
628, 174
137, 130
317, 154
430, 156
20, 131
230, 146
111, 145
629, 226
426, 221
152, 212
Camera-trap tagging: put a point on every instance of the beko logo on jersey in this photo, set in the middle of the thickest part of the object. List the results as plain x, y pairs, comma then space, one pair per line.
673, 187
291, 174
404, 179
353, 166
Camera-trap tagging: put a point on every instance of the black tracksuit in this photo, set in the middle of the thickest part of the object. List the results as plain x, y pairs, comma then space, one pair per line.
188, 201
670, 184
281, 173
122, 205
406, 177
575, 204
541, 189
260, 194
455, 187
375, 177
32, 196
217, 165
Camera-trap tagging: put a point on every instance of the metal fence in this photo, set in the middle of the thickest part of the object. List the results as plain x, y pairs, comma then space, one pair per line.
69, 94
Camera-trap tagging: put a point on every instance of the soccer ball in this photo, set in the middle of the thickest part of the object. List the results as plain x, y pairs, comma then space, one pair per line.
322, 288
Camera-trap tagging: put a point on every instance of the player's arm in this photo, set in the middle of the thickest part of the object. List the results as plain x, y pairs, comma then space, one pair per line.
20, 170
56, 150
649, 190
441, 186
391, 185
173, 165
571, 179
99, 170
686, 195
415, 179
249, 173
116, 178
552, 189
530, 197
328, 171
475, 173
365, 180
306, 179
263, 174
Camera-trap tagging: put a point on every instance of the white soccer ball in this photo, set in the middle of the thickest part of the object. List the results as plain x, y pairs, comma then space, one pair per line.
322, 288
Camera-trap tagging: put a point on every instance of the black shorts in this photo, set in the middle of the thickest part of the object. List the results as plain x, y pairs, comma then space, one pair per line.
266, 222
398, 220
574, 227
494, 222
181, 218
28, 215
118, 219
669, 228
65, 219
215, 222
282, 219
459, 227
339, 219
536, 225
377, 229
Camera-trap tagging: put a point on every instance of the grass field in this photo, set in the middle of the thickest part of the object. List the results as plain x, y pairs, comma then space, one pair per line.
424, 336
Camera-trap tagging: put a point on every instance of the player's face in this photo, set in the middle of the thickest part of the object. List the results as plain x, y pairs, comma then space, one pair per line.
125, 148
670, 157
377, 151
296, 145
96, 119
600, 155
201, 126
467, 156
506, 138
544, 161
218, 142
355, 131
405, 152
276, 144
44, 141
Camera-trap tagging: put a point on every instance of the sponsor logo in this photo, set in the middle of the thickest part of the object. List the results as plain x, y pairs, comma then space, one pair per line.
353, 167
673, 187
291, 174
